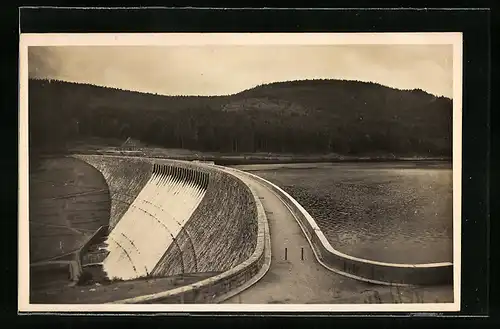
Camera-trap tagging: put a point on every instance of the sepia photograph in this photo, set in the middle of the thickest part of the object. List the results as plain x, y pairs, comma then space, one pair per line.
240, 172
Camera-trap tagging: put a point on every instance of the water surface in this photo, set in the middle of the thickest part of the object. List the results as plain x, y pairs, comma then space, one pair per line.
392, 212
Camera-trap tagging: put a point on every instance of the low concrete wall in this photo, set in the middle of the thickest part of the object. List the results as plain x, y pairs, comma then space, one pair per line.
234, 279
361, 269
72, 262
69, 270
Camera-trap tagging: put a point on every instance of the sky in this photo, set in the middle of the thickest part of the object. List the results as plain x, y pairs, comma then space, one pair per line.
228, 69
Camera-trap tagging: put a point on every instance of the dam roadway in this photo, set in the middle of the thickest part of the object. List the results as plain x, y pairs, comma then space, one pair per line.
299, 278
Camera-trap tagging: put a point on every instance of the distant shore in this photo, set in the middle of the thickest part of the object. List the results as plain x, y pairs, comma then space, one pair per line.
242, 158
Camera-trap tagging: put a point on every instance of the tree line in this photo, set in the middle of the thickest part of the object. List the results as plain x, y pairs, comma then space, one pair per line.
318, 116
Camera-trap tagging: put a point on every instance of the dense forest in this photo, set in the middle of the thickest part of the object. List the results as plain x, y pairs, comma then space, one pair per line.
308, 116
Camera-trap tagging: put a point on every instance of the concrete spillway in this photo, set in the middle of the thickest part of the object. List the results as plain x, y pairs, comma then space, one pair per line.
153, 221
172, 217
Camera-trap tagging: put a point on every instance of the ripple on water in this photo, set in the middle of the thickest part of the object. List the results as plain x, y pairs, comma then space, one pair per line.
388, 213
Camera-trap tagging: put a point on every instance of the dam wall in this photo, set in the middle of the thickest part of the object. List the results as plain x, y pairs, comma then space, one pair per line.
224, 285
153, 221
172, 217
125, 177
221, 231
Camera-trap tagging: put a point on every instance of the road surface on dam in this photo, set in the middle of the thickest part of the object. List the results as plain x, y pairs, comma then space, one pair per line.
299, 278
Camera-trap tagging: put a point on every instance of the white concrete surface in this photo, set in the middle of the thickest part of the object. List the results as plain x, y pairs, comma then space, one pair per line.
151, 223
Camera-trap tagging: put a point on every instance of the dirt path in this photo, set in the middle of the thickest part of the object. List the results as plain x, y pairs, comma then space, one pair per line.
300, 279
105, 293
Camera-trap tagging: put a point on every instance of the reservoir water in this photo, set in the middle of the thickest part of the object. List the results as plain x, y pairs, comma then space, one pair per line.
390, 212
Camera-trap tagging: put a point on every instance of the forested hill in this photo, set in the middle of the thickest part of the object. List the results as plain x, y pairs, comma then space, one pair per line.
309, 116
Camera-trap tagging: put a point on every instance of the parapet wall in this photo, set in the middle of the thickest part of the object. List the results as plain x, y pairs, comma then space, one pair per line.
357, 268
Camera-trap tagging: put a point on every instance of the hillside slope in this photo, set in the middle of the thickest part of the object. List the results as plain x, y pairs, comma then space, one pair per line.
309, 116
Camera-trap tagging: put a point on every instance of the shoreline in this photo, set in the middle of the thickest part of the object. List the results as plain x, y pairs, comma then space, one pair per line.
246, 159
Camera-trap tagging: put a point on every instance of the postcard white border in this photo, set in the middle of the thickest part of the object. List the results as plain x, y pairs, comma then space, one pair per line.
175, 39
